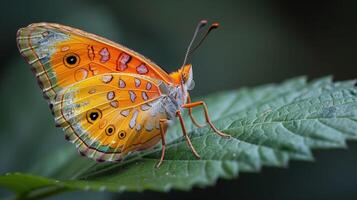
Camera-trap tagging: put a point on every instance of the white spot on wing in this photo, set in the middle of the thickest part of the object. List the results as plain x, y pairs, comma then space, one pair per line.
125, 113
145, 107
122, 62
132, 96
148, 85
114, 104
144, 96
105, 55
121, 83
110, 95
133, 119
107, 78
137, 82
142, 69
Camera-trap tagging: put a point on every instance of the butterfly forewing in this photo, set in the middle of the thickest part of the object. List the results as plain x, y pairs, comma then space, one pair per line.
61, 55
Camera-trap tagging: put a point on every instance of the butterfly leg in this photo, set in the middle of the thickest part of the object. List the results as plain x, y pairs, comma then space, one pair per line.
163, 123
201, 103
190, 114
184, 132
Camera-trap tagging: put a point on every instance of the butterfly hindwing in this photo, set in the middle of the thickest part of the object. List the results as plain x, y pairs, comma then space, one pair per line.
61, 56
111, 114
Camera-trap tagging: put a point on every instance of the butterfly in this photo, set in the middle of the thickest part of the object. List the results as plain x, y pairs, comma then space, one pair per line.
108, 99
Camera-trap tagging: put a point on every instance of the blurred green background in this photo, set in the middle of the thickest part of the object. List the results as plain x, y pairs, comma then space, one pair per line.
258, 42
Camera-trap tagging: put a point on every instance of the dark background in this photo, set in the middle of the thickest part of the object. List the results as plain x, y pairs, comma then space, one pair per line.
258, 42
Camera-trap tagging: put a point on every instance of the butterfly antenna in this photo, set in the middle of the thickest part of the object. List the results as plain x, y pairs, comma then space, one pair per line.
213, 26
200, 25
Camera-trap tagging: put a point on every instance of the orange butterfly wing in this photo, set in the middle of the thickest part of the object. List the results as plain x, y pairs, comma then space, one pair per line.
105, 96
61, 55
109, 115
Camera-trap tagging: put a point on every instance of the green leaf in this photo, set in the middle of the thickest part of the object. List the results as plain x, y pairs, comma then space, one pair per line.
269, 125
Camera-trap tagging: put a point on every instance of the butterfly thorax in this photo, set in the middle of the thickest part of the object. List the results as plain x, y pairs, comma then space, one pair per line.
175, 95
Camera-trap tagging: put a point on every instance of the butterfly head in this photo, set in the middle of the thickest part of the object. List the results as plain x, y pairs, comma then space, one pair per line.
184, 77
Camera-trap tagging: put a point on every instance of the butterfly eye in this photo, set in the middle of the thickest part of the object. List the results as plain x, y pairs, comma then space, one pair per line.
93, 115
71, 60
110, 130
191, 85
121, 134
